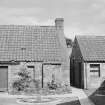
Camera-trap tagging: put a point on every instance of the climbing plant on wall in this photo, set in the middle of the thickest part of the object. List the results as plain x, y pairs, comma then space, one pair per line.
23, 81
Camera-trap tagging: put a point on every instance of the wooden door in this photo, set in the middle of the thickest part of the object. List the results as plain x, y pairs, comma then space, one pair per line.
94, 76
3, 78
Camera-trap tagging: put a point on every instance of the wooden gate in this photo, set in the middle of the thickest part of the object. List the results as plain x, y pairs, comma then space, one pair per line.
3, 78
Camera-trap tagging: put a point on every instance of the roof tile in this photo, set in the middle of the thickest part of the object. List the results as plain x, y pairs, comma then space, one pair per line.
36, 43
92, 47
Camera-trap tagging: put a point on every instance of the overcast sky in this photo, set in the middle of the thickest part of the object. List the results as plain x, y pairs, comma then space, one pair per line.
85, 17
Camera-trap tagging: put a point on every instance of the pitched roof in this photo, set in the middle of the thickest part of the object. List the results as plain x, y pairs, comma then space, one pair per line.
92, 47
30, 43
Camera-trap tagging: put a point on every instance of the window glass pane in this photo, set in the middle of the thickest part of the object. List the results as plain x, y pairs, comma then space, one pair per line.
31, 71
94, 74
94, 70
30, 66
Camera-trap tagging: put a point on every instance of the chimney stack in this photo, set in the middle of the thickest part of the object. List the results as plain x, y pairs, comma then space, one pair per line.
59, 23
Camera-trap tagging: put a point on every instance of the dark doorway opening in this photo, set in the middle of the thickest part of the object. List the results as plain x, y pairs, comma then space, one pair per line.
3, 78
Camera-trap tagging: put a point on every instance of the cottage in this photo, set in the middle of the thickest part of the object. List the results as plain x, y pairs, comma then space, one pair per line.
42, 49
88, 61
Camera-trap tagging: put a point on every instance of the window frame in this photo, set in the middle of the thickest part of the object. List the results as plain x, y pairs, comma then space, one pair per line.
95, 68
32, 67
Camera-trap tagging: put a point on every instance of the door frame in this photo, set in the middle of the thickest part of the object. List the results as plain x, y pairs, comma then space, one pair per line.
7, 77
80, 74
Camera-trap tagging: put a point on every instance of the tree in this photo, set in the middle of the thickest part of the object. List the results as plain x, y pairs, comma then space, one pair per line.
69, 42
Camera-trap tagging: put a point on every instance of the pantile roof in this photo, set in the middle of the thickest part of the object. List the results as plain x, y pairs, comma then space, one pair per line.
30, 43
92, 47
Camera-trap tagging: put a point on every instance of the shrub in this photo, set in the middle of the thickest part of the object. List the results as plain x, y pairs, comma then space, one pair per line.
24, 80
52, 85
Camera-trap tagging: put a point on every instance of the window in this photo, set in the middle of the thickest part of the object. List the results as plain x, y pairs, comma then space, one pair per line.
31, 71
95, 70
30, 67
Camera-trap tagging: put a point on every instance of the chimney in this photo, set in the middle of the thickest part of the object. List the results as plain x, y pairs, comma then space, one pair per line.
59, 23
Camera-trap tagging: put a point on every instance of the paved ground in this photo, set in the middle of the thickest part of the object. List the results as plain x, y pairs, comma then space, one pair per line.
83, 98
6, 99
96, 95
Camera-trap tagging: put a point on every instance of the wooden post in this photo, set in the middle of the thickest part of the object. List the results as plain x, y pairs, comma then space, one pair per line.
42, 75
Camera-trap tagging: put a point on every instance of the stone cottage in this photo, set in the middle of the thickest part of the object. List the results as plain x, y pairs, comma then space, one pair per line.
42, 49
87, 62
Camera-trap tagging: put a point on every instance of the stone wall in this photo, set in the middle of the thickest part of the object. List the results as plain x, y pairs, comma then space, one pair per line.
50, 72
14, 69
12, 75
90, 83
65, 67
61, 76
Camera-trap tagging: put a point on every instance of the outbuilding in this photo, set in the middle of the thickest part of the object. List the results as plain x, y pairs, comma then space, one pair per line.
87, 62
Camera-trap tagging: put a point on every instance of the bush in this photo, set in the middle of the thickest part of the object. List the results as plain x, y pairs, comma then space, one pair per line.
23, 82
52, 85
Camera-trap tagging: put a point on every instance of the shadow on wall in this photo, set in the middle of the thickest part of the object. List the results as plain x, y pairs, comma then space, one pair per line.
97, 96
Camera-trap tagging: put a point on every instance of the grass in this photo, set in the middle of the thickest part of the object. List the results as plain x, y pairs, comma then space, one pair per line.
96, 96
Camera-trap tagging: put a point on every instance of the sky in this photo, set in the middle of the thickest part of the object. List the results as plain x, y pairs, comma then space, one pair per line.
81, 17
